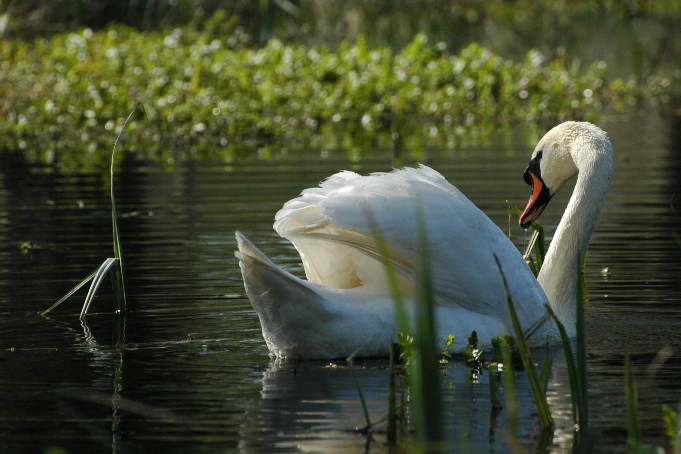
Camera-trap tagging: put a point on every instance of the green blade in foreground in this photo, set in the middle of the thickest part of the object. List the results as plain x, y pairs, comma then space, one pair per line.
118, 275
349, 360
71, 292
424, 376
99, 276
633, 421
575, 382
545, 418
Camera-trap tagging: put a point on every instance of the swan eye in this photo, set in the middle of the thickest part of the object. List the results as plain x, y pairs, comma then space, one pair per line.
534, 167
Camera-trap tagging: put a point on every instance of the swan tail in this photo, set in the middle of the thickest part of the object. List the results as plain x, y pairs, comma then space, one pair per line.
302, 319
286, 305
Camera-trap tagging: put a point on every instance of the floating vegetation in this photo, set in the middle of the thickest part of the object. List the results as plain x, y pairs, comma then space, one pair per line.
205, 92
446, 347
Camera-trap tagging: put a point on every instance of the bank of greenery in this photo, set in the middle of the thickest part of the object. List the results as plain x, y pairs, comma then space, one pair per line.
204, 91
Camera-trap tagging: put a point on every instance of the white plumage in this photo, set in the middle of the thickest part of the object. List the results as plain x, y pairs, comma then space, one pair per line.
345, 302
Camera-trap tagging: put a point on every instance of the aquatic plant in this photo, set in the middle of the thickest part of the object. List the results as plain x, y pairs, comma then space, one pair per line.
423, 376
419, 343
672, 427
205, 94
349, 361
447, 345
112, 265
538, 390
537, 243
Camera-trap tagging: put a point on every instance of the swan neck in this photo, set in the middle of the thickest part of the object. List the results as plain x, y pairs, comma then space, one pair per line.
563, 262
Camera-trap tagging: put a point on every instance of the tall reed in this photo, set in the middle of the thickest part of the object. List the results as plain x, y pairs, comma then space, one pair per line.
113, 265
536, 386
423, 373
633, 423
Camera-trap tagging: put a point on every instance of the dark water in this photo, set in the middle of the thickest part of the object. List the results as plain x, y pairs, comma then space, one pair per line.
194, 374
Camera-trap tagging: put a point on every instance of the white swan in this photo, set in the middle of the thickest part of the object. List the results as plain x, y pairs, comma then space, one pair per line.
345, 303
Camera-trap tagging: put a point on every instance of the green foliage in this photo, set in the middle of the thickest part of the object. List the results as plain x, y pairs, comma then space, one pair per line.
472, 353
633, 422
672, 426
538, 392
493, 394
419, 345
448, 343
111, 264
349, 360
504, 349
537, 243
576, 366
391, 429
507, 342
204, 92
577, 394
424, 377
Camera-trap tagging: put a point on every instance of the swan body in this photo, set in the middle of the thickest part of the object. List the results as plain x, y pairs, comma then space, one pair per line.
346, 305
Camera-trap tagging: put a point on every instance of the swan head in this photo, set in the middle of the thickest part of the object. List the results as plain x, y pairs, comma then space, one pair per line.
562, 152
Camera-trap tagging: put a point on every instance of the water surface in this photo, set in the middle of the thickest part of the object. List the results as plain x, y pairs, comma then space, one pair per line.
193, 372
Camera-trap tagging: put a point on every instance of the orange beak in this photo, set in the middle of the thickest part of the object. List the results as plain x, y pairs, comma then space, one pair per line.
539, 198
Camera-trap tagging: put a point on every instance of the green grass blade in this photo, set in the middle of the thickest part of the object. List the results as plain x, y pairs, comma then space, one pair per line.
425, 374
509, 392
99, 276
515, 209
545, 373
120, 297
118, 284
493, 394
119, 328
532, 265
581, 353
535, 224
118, 276
349, 360
676, 439
545, 418
575, 382
71, 292
633, 421
392, 411
395, 291
672, 427
539, 244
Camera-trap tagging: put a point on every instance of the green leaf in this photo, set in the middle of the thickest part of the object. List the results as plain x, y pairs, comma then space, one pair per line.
97, 279
545, 418
72, 291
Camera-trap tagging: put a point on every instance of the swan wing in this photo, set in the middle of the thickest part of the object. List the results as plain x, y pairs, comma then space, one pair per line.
301, 319
333, 227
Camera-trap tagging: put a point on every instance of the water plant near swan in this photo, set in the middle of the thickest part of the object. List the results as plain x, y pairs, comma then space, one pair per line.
112, 266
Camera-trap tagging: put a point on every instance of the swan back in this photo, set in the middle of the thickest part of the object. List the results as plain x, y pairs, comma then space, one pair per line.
334, 229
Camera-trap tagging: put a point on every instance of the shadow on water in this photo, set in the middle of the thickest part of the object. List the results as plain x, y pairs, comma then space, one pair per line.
193, 374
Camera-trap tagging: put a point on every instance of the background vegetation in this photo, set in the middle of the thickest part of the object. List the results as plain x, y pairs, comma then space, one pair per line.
215, 74
642, 35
